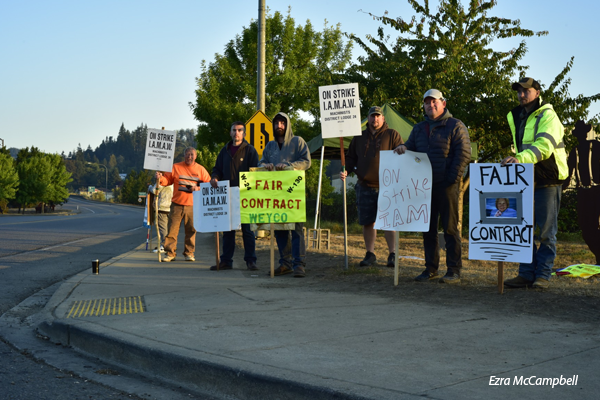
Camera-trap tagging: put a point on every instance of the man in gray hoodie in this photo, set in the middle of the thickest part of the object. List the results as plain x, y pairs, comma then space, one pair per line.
287, 152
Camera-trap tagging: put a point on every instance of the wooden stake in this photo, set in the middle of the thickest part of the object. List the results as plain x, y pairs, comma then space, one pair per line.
500, 277
272, 251
217, 249
343, 159
396, 266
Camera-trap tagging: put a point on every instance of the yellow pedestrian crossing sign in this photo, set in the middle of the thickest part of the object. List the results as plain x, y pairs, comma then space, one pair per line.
259, 130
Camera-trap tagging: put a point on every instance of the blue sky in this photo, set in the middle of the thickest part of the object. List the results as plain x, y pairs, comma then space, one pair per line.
73, 71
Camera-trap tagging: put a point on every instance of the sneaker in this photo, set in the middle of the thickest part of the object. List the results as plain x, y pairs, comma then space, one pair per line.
251, 265
162, 250
221, 267
426, 276
518, 282
450, 278
299, 272
541, 283
391, 260
168, 259
369, 260
283, 270
190, 258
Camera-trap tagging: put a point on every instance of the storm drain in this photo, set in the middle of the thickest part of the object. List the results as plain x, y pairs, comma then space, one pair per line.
105, 307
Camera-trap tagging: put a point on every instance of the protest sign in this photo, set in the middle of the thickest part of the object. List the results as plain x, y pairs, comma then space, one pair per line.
404, 202
273, 197
340, 110
212, 208
501, 212
160, 150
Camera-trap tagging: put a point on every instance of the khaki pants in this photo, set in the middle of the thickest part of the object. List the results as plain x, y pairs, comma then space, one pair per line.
178, 213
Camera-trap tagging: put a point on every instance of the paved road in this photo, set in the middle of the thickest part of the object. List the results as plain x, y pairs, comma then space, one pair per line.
36, 252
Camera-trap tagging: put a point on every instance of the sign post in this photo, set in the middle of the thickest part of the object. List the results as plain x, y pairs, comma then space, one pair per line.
340, 117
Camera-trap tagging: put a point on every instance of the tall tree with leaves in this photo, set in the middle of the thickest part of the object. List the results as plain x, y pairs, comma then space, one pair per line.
450, 49
298, 60
59, 179
34, 179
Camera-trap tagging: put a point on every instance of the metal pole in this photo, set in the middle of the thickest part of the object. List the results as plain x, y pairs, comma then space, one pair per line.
319, 189
260, 81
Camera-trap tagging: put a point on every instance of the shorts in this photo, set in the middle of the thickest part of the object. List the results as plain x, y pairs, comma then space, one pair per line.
366, 204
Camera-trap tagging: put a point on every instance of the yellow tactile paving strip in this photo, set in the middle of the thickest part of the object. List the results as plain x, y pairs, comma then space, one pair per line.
105, 307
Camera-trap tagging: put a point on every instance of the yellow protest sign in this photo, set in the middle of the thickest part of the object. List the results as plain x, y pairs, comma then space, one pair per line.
275, 197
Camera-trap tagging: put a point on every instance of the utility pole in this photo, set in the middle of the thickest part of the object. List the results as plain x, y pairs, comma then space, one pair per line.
260, 81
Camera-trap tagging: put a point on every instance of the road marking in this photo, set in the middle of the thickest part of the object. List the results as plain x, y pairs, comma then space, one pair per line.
105, 307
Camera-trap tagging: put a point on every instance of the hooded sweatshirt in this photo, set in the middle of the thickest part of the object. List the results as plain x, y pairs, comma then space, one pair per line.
363, 153
293, 152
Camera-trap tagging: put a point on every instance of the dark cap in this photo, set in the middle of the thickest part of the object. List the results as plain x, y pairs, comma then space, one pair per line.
279, 116
375, 110
526, 83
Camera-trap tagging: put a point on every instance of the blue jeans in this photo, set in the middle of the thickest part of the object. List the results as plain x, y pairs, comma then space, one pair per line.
229, 245
545, 210
444, 207
298, 247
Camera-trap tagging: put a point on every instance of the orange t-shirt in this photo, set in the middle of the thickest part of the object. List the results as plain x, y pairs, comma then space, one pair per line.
184, 178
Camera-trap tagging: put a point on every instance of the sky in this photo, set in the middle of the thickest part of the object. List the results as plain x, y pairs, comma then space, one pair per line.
73, 71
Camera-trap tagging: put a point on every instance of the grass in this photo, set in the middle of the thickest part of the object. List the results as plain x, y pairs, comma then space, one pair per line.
476, 273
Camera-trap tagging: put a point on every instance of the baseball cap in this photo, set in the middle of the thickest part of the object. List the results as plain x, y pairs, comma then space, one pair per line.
526, 83
375, 110
436, 94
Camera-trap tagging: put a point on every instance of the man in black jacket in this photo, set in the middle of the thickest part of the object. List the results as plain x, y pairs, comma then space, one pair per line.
446, 142
236, 156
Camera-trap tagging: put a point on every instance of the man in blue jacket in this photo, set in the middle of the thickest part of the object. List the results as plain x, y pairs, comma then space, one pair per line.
446, 141
237, 156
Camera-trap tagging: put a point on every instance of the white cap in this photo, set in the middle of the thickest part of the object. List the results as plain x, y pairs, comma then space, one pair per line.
436, 94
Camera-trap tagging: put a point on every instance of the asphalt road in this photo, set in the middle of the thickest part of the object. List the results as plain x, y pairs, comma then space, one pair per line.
36, 252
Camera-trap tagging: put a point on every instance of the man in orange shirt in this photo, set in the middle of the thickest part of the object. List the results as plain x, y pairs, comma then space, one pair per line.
185, 178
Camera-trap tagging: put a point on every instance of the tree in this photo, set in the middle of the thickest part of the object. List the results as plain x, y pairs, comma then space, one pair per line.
9, 178
59, 179
135, 183
450, 50
298, 61
34, 179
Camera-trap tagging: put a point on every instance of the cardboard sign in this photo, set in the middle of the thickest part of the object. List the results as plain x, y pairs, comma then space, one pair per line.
272, 197
404, 202
160, 150
340, 110
212, 208
501, 212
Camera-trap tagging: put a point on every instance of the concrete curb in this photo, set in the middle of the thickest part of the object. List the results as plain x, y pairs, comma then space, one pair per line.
190, 372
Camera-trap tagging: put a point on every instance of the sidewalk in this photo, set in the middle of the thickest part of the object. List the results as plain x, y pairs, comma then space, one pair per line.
245, 335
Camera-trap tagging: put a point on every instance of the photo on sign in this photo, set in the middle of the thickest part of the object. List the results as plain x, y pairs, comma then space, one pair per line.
501, 208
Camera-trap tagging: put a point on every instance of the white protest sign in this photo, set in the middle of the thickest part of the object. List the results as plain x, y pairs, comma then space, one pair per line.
340, 110
160, 150
404, 202
501, 212
212, 208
